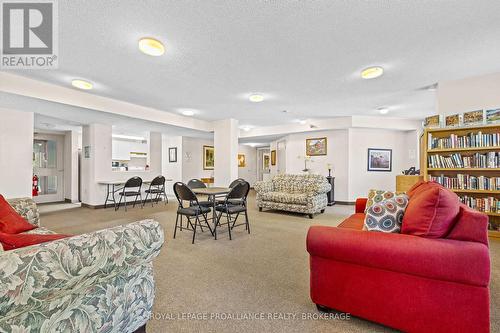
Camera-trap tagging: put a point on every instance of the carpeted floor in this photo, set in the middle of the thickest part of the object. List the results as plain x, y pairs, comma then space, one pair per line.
199, 287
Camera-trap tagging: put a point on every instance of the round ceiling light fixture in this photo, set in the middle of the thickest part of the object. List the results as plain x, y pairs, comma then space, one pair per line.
256, 98
82, 84
246, 128
151, 46
383, 110
187, 112
372, 72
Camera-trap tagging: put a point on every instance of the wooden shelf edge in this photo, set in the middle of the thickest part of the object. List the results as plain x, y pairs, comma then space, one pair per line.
461, 128
464, 169
475, 191
469, 149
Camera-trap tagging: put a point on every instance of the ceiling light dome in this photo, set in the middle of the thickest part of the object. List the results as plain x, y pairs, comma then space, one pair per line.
256, 98
372, 72
151, 46
82, 84
383, 110
187, 112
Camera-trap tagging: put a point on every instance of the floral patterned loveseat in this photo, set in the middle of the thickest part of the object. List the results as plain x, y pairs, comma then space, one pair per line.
96, 282
295, 193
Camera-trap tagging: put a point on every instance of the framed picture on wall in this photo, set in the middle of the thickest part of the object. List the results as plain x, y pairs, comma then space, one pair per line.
273, 157
241, 161
266, 161
208, 157
379, 159
172, 154
316, 147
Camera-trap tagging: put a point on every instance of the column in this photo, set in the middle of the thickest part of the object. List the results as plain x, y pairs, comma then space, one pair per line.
226, 151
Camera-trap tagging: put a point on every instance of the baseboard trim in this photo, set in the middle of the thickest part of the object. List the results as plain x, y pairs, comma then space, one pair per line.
109, 205
346, 203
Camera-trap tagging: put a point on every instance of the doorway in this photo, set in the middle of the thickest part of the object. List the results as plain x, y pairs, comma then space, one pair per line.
281, 160
48, 166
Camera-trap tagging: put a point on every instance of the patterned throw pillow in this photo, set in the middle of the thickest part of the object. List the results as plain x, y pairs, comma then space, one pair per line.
387, 215
375, 196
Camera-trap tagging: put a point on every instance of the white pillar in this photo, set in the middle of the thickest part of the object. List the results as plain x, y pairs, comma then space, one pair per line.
226, 151
71, 166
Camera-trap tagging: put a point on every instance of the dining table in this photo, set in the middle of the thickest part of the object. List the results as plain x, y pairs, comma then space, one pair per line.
212, 193
113, 186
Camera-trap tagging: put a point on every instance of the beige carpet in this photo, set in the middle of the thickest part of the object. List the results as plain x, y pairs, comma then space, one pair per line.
261, 274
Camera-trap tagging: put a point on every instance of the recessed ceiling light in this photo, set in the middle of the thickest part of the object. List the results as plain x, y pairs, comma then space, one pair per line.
383, 110
82, 84
372, 72
256, 98
301, 121
246, 128
128, 137
151, 46
188, 113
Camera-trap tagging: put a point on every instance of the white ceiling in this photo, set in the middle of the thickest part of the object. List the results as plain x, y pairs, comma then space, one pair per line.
304, 56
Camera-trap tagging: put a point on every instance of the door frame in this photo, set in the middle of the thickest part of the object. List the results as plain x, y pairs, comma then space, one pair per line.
59, 169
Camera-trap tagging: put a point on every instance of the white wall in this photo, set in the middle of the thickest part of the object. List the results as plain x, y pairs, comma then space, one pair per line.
171, 170
16, 153
337, 149
226, 151
361, 180
249, 172
469, 94
192, 158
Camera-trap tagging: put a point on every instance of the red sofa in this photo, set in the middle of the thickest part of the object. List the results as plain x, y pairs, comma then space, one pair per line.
407, 282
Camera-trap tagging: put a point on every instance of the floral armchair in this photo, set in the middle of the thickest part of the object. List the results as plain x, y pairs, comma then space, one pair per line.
96, 282
295, 193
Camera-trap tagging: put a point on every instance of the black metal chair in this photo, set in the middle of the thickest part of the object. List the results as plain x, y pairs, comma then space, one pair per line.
195, 210
132, 188
233, 184
157, 189
238, 192
196, 183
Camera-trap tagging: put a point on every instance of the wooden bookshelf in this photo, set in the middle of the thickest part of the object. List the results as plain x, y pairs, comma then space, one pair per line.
427, 171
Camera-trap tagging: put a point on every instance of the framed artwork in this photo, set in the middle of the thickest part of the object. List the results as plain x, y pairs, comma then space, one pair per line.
273, 157
172, 154
379, 159
208, 157
432, 121
241, 161
493, 116
473, 117
86, 152
316, 147
266, 159
452, 120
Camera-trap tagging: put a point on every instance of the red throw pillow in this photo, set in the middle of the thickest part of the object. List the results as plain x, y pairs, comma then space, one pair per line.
420, 186
10, 221
14, 241
431, 212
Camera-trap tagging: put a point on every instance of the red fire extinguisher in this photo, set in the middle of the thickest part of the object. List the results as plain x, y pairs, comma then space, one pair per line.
35, 186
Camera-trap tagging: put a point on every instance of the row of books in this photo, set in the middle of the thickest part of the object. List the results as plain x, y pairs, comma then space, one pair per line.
468, 182
477, 160
486, 205
471, 140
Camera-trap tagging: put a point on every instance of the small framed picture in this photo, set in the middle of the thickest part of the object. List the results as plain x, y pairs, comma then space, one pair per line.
208, 157
241, 161
172, 154
265, 161
273, 157
493, 116
432, 121
452, 120
316, 147
379, 159
474, 117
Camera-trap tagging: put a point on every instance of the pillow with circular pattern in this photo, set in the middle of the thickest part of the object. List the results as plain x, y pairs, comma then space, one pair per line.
386, 215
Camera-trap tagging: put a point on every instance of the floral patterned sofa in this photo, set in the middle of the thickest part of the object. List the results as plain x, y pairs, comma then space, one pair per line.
96, 282
294, 193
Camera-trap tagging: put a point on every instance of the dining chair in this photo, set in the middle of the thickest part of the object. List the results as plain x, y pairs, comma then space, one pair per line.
196, 183
132, 188
238, 192
195, 210
156, 187
233, 184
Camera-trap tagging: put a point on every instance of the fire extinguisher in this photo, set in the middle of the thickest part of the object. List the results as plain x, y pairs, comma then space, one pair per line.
35, 186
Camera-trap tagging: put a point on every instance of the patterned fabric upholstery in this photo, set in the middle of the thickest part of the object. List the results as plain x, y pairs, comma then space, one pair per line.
375, 196
386, 215
295, 193
26, 207
95, 282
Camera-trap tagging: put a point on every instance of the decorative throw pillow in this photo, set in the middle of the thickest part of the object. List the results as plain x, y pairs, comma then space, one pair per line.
14, 241
10, 221
386, 215
375, 196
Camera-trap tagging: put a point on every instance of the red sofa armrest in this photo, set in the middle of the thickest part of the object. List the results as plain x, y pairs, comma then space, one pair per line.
442, 259
361, 205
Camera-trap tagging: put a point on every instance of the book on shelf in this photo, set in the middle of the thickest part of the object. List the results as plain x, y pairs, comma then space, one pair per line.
456, 160
468, 182
485, 204
471, 140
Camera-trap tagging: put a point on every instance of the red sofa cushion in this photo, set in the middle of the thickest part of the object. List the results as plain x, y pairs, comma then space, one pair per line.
420, 186
471, 226
14, 241
355, 221
10, 221
431, 212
